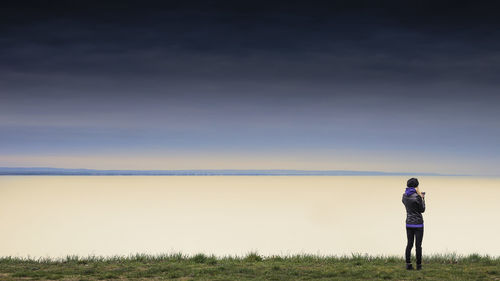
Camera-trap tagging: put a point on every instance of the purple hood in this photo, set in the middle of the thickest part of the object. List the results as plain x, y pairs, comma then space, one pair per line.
409, 191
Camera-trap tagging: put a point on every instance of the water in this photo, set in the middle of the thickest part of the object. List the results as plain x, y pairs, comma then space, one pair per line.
232, 215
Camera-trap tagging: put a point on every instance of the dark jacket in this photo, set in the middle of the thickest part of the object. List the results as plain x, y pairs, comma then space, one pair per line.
415, 206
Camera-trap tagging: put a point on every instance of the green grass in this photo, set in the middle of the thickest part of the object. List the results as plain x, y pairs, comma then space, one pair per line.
249, 267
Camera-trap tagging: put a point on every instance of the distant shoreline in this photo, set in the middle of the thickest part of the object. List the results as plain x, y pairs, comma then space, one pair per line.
38, 171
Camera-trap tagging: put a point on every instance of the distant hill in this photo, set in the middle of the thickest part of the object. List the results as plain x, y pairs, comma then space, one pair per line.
91, 172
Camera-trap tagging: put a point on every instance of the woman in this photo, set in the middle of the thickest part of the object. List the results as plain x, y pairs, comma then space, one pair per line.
414, 202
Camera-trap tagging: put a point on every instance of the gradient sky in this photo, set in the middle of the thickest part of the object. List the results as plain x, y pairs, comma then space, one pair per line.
403, 86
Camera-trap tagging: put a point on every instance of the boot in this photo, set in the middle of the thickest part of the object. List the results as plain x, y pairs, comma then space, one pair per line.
419, 267
409, 266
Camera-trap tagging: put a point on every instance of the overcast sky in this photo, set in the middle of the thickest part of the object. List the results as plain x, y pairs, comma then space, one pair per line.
404, 86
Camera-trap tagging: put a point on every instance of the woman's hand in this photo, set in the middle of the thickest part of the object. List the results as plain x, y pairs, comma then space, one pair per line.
419, 193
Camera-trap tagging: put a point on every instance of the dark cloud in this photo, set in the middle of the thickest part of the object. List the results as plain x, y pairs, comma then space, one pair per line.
368, 41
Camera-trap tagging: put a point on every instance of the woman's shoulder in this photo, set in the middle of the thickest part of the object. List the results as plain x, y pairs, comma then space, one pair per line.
413, 196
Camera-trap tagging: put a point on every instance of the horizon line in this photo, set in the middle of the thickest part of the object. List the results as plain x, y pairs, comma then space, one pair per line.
206, 172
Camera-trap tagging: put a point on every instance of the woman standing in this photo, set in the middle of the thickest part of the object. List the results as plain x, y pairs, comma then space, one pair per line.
414, 202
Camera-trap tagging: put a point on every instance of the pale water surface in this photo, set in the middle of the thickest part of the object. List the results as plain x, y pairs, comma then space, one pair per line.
332, 215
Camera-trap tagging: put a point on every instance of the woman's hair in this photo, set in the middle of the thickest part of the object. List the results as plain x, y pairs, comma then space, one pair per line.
413, 182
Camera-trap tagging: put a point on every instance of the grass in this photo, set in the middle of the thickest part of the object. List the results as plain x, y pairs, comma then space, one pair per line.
250, 267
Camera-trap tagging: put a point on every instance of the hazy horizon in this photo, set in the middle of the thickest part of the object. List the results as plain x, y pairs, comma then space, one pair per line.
201, 172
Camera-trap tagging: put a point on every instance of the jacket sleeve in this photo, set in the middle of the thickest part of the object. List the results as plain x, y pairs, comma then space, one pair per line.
421, 204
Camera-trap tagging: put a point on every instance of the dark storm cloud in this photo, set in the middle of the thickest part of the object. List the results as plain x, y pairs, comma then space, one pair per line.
344, 41
325, 50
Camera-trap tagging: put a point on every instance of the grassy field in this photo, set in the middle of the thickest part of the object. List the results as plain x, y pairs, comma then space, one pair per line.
249, 267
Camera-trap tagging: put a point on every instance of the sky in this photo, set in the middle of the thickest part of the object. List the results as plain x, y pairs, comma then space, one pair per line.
395, 86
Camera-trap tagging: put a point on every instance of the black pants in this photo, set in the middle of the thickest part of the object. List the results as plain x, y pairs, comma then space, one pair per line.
411, 234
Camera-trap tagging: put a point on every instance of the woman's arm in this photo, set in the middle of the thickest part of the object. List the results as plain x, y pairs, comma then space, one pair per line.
421, 202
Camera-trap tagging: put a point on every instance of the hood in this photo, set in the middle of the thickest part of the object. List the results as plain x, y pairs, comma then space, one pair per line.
409, 191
